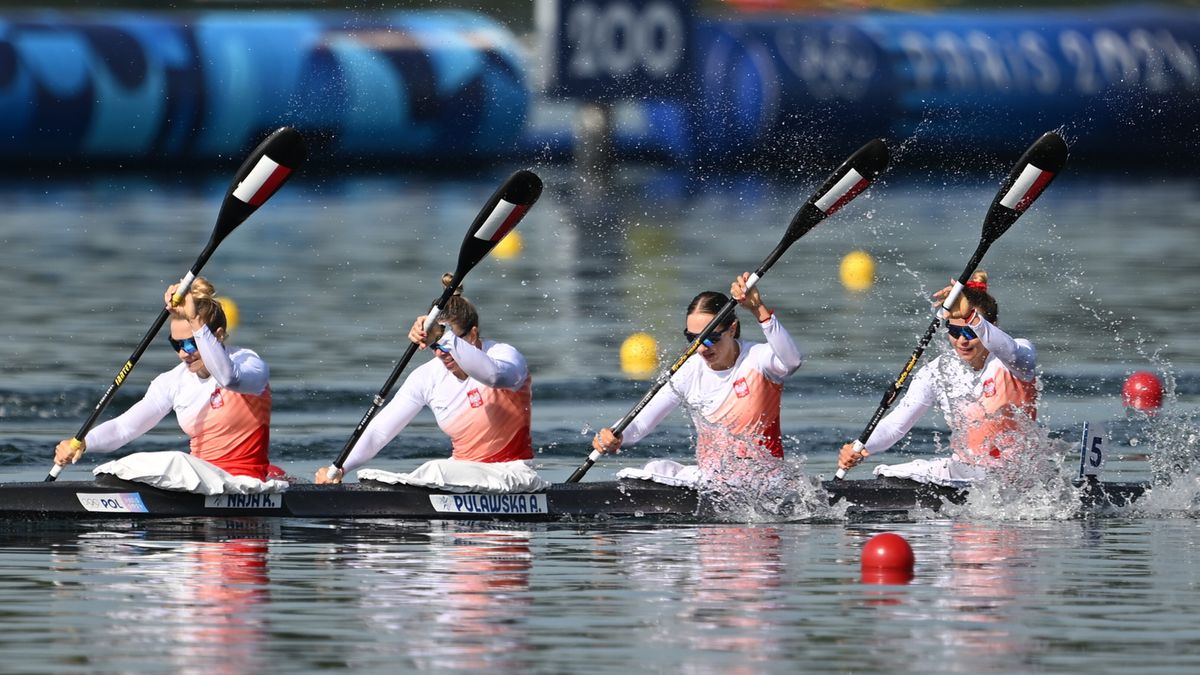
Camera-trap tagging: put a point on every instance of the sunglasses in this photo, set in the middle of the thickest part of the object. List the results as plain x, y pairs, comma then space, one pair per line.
961, 331
188, 345
712, 339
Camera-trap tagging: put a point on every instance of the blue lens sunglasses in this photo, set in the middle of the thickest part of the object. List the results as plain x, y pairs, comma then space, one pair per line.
712, 338
960, 331
188, 345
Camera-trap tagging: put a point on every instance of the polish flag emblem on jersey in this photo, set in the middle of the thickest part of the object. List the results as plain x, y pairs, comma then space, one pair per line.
989, 388
475, 398
503, 218
216, 400
1027, 187
262, 181
741, 388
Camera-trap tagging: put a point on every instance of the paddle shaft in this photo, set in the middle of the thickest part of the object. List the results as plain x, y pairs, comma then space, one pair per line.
721, 317
843, 185
380, 398
184, 284
1031, 175
890, 395
499, 215
263, 172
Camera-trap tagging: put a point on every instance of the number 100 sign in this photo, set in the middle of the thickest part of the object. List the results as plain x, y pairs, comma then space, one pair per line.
606, 49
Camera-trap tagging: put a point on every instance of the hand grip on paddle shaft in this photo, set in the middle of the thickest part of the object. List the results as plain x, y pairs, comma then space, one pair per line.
843, 185
265, 170
1030, 176
499, 216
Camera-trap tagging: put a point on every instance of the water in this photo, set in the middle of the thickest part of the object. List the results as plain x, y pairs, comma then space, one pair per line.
1100, 274
1080, 596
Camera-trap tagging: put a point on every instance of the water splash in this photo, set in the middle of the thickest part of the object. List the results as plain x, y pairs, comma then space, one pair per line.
1037, 483
765, 490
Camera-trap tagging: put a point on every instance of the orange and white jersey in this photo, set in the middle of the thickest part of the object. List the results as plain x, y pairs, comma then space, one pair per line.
487, 416
227, 415
736, 408
988, 410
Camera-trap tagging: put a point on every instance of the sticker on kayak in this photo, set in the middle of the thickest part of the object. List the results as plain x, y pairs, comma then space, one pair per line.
491, 504
259, 501
112, 502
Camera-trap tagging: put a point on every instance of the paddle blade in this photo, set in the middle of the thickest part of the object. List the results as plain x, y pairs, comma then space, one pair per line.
847, 182
1030, 176
259, 177
503, 210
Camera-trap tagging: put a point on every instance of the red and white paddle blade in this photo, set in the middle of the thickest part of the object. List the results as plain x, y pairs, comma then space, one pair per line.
499, 216
847, 182
1031, 175
267, 168
852, 177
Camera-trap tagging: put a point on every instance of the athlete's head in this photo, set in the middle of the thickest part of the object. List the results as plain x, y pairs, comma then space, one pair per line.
719, 350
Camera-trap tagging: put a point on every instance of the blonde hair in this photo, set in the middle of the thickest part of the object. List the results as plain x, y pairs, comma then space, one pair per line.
458, 312
208, 308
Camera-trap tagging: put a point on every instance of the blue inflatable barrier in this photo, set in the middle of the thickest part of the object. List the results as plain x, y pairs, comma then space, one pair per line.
1120, 83
182, 87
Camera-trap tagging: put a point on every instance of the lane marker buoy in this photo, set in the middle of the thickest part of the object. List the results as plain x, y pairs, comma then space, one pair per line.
1142, 391
857, 271
639, 356
887, 559
231, 313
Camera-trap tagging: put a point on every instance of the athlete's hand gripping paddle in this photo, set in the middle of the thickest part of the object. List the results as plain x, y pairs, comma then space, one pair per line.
502, 212
266, 169
850, 179
1031, 175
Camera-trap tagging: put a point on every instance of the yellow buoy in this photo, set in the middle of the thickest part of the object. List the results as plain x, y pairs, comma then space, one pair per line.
639, 356
231, 313
509, 247
857, 271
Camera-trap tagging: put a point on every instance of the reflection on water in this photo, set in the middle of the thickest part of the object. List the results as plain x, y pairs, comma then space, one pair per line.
378, 595
459, 604
981, 579
197, 606
737, 574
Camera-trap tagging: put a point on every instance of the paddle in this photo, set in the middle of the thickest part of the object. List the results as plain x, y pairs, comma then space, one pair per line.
850, 179
503, 210
259, 177
1031, 175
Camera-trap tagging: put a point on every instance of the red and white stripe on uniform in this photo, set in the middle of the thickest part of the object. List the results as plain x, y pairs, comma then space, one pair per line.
262, 181
1027, 187
842, 192
501, 220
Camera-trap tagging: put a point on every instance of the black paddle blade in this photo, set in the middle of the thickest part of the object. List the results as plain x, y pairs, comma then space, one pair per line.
259, 177
1028, 179
503, 210
847, 181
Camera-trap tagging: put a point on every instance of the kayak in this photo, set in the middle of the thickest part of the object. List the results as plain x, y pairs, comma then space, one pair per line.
107, 497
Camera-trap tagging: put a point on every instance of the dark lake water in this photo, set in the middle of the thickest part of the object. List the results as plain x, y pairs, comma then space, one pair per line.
1101, 274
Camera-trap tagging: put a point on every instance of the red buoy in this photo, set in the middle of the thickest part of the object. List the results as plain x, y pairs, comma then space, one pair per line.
887, 551
1142, 391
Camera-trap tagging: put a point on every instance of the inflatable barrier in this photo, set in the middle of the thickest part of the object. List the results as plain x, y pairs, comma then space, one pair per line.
1120, 84
168, 87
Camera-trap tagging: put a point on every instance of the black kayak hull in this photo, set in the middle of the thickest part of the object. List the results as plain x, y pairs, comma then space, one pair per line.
111, 498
